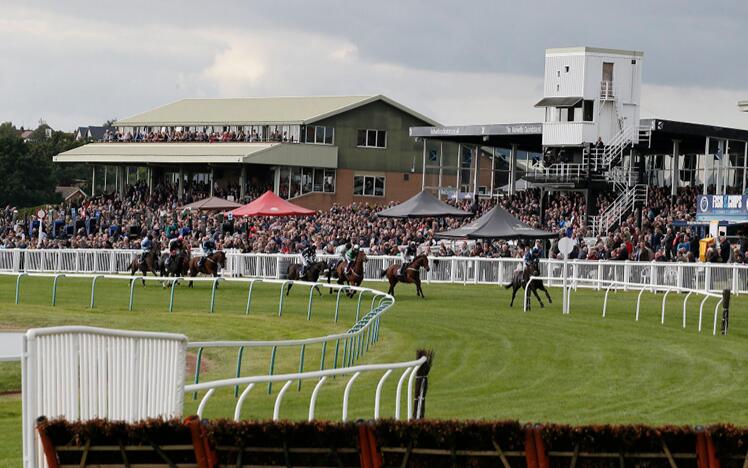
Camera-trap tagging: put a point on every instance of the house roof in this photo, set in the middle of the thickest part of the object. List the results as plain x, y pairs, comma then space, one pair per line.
287, 154
69, 191
255, 111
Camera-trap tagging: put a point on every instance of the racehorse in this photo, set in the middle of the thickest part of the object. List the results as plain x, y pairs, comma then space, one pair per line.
210, 265
311, 274
178, 266
354, 277
150, 263
521, 279
412, 274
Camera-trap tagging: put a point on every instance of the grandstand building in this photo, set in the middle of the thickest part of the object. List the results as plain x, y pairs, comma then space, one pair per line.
592, 140
315, 150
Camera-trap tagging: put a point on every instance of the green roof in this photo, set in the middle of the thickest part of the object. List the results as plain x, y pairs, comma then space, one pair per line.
254, 111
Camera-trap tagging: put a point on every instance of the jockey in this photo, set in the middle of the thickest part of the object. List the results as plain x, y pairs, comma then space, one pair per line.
407, 255
308, 257
146, 245
350, 257
531, 256
209, 247
176, 246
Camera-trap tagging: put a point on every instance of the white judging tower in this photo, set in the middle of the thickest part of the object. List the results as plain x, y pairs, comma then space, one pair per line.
591, 93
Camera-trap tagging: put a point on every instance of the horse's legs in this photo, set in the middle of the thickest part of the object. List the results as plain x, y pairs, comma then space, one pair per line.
319, 291
419, 291
547, 294
289, 288
393, 282
535, 291
514, 294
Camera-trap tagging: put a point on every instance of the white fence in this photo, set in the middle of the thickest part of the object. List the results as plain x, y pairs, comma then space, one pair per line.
466, 270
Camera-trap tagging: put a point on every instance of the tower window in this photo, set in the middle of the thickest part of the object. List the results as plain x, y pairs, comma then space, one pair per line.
566, 69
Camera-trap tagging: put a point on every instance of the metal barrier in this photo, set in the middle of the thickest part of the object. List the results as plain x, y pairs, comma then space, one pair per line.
465, 270
410, 370
641, 288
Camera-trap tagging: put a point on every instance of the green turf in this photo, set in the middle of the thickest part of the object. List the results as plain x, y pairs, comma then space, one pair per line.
491, 361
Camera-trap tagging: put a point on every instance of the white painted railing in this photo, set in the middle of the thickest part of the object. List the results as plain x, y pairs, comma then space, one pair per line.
616, 285
410, 369
465, 270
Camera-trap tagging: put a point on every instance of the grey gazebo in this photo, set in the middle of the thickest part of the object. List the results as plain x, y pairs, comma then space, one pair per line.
498, 223
422, 205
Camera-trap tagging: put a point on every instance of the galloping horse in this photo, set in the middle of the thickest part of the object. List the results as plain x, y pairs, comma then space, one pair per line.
178, 266
521, 280
311, 275
412, 274
210, 265
356, 275
150, 263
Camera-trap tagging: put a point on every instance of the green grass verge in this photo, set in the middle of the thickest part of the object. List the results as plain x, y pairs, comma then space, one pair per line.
491, 361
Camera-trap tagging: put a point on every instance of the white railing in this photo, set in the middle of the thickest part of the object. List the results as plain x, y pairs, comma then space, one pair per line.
480, 270
410, 370
606, 90
615, 285
613, 150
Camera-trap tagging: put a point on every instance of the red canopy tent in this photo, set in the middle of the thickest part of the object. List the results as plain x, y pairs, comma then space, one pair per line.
270, 204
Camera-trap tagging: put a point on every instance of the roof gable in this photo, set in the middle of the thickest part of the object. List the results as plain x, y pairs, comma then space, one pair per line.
255, 111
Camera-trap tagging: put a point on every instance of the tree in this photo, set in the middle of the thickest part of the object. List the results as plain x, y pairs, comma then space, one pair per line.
29, 175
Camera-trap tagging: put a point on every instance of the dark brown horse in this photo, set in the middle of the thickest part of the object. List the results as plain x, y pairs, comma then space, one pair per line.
521, 280
412, 274
209, 267
355, 275
311, 275
150, 262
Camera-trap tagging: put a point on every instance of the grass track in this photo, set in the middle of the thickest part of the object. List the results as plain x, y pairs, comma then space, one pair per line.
491, 361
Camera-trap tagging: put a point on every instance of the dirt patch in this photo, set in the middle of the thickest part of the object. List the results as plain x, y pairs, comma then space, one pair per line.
191, 358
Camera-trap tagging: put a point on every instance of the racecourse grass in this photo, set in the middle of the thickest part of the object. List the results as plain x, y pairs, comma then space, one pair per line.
491, 361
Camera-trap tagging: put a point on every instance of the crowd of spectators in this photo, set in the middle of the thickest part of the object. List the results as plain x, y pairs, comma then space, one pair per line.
199, 136
121, 222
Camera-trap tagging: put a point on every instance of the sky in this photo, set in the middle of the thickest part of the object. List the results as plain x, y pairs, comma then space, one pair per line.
75, 63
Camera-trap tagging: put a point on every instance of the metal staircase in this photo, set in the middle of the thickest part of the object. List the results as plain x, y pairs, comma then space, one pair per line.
631, 198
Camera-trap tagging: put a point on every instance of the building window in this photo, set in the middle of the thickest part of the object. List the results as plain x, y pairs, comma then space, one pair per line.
566, 69
297, 181
369, 138
319, 134
587, 111
368, 186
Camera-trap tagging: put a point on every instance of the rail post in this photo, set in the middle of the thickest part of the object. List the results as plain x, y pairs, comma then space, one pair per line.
725, 310
280, 302
93, 290
171, 294
18, 287
664, 299
638, 300
272, 368
301, 364
358, 306
685, 302
239, 356
213, 294
311, 300
132, 290
198, 361
335, 359
54, 287
249, 296
322, 359
337, 302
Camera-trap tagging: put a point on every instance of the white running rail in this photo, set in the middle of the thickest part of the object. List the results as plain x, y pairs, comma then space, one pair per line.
473, 270
410, 370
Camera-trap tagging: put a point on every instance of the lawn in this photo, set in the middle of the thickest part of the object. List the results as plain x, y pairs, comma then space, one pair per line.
491, 361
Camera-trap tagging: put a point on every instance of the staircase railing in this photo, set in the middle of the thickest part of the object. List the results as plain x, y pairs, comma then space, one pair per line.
614, 214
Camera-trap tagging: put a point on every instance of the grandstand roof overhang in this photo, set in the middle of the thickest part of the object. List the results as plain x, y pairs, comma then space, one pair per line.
275, 154
559, 101
256, 111
528, 136
691, 136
